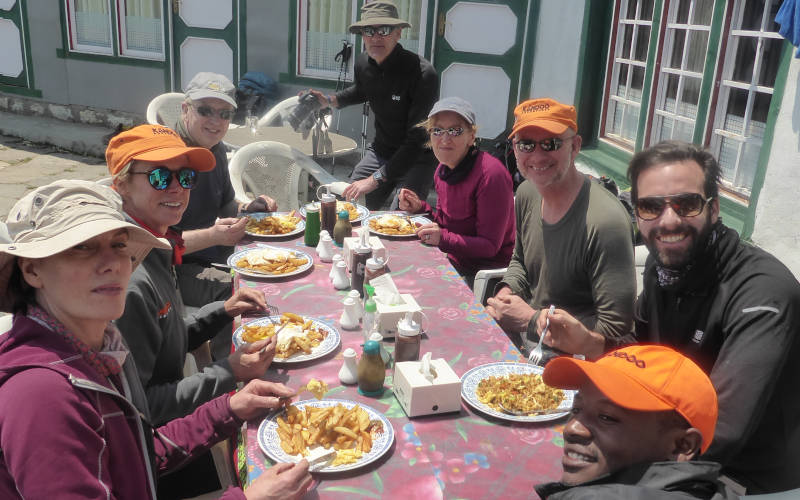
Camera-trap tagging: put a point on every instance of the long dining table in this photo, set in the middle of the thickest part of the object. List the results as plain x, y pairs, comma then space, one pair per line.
459, 455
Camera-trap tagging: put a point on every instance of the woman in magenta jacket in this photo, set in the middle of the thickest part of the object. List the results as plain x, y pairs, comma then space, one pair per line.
73, 414
474, 216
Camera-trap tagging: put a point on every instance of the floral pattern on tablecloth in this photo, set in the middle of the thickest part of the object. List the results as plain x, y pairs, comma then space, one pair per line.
461, 455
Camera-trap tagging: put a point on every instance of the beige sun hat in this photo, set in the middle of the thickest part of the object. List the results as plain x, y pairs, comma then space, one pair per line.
379, 13
60, 215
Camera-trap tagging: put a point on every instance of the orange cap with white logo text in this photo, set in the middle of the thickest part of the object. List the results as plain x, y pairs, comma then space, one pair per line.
645, 378
545, 114
154, 143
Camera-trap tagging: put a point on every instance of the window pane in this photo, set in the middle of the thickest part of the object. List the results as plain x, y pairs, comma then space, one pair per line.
677, 49
698, 44
770, 61
622, 81
412, 11
143, 26
646, 12
664, 129
627, 39
682, 12
689, 97
326, 29
703, 9
745, 57
92, 23
734, 115
642, 43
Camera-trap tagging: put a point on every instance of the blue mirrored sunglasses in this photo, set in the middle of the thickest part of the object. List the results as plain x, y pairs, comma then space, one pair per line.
161, 177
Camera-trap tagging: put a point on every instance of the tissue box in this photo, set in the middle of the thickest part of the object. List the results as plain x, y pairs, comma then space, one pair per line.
378, 250
387, 317
419, 396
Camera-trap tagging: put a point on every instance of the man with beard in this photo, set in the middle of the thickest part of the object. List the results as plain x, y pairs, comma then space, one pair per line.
731, 307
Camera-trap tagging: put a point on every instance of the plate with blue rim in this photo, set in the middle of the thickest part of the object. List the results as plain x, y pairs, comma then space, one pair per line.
298, 228
328, 345
270, 442
471, 379
253, 273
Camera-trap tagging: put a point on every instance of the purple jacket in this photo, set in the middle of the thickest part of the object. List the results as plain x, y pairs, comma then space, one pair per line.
67, 432
477, 216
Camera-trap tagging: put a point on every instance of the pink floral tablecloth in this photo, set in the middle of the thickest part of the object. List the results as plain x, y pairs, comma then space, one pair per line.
461, 455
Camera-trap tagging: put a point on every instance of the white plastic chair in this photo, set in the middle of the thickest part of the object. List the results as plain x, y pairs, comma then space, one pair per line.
165, 109
277, 170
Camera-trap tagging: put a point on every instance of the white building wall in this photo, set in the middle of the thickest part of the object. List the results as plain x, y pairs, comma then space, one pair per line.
777, 222
557, 49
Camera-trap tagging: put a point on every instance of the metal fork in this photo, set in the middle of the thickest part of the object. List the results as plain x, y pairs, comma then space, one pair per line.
536, 354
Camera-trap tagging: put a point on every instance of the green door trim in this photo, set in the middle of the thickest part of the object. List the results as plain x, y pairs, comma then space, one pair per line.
233, 34
517, 62
23, 84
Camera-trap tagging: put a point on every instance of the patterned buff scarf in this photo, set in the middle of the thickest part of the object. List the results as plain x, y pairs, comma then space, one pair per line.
107, 361
668, 278
174, 237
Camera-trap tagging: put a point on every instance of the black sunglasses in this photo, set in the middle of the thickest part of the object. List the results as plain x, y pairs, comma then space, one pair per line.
161, 177
685, 205
452, 131
207, 111
547, 145
371, 31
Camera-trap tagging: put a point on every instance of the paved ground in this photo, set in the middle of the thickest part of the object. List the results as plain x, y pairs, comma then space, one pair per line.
25, 166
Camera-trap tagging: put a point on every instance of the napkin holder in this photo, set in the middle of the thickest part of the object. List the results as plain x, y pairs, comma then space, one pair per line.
419, 395
387, 316
351, 242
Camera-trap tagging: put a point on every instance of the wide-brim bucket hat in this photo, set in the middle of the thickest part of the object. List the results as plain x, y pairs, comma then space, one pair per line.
380, 13
58, 216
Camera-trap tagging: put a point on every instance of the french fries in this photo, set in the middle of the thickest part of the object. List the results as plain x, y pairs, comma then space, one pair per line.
273, 224
348, 431
352, 210
517, 391
296, 335
392, 225
269, 261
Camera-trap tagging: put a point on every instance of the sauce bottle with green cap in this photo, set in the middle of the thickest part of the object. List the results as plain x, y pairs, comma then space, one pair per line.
342, 229
371, 370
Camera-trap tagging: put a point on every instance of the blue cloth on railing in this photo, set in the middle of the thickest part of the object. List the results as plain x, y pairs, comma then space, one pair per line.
256, 82
789, 18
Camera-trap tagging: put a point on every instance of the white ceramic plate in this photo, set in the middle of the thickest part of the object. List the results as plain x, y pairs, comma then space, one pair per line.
331, 342
270, 443
363, 212
233, 259
301, 226
471, 379
418, 220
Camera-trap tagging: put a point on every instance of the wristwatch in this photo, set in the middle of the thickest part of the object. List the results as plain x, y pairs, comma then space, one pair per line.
378, 176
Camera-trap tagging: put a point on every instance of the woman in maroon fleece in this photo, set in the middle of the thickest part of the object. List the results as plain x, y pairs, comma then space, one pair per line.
474, 216
73, 414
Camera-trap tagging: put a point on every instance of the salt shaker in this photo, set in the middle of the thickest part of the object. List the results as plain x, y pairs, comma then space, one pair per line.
348, 373
340, 279
336, 258
377, 337
349, 318
355, 296
325, 248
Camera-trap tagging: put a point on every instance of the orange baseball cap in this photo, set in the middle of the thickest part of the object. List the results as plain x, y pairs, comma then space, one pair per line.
154, 143
645, 378
546, 114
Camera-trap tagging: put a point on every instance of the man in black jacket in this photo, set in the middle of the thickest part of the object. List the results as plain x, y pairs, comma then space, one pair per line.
401, 88
729, 306
642, 413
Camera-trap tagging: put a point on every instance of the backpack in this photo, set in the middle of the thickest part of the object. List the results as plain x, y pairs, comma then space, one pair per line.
254, 93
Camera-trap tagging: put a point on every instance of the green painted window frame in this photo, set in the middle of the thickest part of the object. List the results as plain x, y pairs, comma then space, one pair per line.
22, 85
612, 160
291, 76
115, 57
